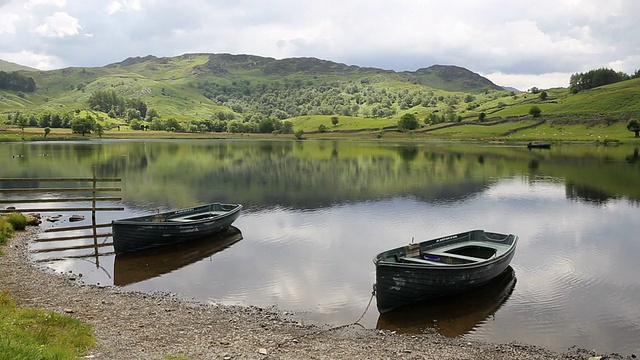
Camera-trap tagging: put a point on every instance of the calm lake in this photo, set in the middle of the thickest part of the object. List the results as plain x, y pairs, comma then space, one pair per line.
317, 212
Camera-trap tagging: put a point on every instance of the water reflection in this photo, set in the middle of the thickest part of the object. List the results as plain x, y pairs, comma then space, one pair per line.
134, 267
452, 316
318, 211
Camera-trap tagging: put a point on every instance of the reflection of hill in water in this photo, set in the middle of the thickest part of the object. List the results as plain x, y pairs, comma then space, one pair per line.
139, 266
311, 174
454, 315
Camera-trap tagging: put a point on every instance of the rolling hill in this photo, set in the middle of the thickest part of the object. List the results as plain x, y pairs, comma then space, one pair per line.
7, 66
193, 88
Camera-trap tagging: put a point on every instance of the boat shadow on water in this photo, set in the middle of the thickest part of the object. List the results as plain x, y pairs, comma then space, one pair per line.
139, 266
454, 315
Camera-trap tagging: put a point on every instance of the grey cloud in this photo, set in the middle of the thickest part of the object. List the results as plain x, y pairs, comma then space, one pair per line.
547, 36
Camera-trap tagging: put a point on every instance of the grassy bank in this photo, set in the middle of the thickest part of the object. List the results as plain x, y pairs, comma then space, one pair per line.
38, 334
519, 130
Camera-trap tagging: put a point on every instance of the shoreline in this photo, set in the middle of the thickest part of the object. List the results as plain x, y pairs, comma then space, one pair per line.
135, 325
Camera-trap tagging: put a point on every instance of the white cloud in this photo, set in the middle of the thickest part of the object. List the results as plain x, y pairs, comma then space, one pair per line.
35, 3
123, 5
60, 24
8, 23
37, 61
114, 7
520, 44
525, 82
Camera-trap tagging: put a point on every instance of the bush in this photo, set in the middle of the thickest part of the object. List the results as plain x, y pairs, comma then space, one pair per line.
17, 220
6, 230
535, 111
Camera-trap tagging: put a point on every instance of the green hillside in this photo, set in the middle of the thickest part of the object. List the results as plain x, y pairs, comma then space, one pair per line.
246, 93
9, 66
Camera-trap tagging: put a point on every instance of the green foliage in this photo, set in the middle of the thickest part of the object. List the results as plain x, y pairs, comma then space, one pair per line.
334, 120
22, 122
151, 115
139, 106
172, 124
83, 125
17, 220
543, 95
299, 134
37, 334
595, 78
6, 230
482, 116
634, 126
267, 126
247, 88
136, 125
535, 111
16, 82
99, 129
47, 130
322, 128
408, 122
287, 127
107, 101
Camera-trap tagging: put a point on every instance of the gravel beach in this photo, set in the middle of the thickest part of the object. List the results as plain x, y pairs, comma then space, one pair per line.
130, 325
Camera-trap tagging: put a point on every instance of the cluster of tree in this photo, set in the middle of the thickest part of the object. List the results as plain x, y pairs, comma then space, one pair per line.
408, 122
599, 77
117, 106
85, 125
214, 124
43, 120
17, 82
436, 117
287, 99
264, 126
78, 123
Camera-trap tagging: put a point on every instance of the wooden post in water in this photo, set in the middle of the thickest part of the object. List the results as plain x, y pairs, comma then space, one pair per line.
93, 219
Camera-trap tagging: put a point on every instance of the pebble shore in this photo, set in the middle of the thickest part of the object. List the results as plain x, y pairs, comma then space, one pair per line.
133, 325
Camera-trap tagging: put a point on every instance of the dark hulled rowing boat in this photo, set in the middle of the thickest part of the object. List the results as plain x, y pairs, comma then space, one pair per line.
144, 232
439, 267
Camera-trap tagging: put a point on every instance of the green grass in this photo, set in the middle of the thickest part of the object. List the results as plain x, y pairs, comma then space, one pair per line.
38, 334
580, 132
311, 123
475, 131
172, 86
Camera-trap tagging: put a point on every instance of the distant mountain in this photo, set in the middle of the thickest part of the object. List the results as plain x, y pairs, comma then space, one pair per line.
443, 77
509, 88
453, 78
7, 66
254, 88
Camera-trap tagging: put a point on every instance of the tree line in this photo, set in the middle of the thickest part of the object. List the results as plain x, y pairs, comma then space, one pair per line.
599, 77
293, 98
116, 106
16, 82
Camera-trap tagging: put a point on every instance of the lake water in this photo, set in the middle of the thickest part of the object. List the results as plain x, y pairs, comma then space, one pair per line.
317, 212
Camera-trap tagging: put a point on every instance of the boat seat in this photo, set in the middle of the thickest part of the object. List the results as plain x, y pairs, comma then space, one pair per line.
463, 257
192, 217
422, 261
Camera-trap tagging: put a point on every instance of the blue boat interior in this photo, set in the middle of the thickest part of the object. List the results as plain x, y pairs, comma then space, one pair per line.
456, 253
200, 216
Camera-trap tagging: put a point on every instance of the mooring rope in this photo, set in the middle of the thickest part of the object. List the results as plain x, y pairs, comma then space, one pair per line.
357, 322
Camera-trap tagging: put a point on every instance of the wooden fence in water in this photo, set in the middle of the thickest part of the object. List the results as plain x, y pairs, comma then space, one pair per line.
25, 196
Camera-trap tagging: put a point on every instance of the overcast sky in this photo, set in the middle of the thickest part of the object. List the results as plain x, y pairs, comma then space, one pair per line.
513, 43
